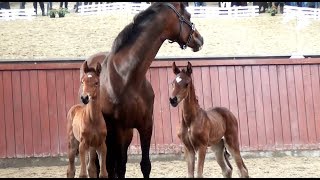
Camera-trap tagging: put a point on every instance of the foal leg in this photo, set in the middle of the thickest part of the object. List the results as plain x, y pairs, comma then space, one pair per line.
232, 145
145, 139
201, 157
219, 150
73, 148
82, 153
190, 157
92, 169
102, 153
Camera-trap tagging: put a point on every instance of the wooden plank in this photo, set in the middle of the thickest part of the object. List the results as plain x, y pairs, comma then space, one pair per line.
157, 109
252, 123
275, 103
17, 113
44, 112
52, 107
293, 115
261, 128
76, 86
223, 81
242, 108
165, 111
3, 143
209, 61
266, 96
26, 114
70, 96
35, 113
8, 109
215, 86
284, 106
174, 114
206, 87
47, 64
197, 82
307, 86
61, 112
233, 99
303, 131
316, 97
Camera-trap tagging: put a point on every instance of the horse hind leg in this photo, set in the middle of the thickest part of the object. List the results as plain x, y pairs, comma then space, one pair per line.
222, 158
233, 147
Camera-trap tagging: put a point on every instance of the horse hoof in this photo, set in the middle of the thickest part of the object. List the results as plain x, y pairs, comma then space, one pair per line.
83, 176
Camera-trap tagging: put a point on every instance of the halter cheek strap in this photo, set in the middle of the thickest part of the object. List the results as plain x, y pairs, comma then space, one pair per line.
182, 19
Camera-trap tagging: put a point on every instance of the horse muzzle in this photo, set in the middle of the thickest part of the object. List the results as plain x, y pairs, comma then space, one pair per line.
174, 101
85, 99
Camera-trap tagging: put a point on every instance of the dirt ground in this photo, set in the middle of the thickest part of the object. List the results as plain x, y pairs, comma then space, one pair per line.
271, 167
78, 36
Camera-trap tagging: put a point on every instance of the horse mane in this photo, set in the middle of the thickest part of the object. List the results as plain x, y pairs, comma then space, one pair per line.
132, 31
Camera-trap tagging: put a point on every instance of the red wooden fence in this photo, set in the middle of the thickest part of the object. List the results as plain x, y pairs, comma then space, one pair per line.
277, 102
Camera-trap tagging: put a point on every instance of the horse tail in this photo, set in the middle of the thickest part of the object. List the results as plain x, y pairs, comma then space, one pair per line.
226, 155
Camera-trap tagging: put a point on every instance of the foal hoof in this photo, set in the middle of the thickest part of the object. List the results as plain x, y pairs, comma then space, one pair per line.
83, 176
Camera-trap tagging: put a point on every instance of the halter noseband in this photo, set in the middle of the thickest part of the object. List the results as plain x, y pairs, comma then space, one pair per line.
182, 19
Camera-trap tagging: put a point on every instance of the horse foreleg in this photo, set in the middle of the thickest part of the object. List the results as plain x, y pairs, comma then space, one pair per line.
190, 157
102, 153
145, 139
124, 137
201, 157
82, 153
111, 155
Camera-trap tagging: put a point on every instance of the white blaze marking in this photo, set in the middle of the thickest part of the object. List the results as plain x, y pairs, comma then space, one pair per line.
89, 75
178, 79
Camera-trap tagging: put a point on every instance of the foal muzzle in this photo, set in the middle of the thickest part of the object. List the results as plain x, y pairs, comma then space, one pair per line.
85, 99
174, 101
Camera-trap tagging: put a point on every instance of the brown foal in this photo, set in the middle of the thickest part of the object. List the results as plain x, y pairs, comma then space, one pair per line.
216, 128
86, 127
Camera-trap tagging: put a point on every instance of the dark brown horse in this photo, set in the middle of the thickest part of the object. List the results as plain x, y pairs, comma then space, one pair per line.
201, 129
86, 127
127, 96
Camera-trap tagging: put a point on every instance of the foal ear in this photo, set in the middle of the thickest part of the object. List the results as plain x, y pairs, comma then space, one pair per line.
189, 68
98, 68
175, 69
85, 67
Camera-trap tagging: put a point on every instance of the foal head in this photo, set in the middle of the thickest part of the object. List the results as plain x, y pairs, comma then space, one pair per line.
90, 82
181, 84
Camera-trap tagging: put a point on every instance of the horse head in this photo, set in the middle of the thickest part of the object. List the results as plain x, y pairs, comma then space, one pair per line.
180, 85
90, 82
183, 31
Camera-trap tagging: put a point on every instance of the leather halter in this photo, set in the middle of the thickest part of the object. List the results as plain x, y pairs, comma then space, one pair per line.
182, 20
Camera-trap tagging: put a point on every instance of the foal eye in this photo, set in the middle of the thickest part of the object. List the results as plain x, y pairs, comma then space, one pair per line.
96, 84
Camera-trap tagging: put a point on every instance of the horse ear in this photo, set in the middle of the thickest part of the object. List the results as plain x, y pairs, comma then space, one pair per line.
175, 69
85, 67
189, 68
98, 69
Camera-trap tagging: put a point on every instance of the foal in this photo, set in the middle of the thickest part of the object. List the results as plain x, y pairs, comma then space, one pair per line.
86, 127
201, 129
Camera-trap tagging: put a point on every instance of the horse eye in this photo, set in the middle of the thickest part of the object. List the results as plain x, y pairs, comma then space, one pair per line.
97, 84
186, 85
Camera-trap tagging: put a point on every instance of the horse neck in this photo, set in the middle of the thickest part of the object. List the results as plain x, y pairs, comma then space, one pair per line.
140, 54
93, 109
190, 105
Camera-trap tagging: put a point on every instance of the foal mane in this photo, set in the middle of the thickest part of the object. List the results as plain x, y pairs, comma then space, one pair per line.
192, 89
132, 31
